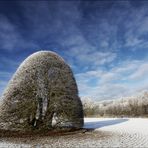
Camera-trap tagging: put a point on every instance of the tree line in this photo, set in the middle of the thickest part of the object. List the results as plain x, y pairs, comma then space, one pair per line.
125, 107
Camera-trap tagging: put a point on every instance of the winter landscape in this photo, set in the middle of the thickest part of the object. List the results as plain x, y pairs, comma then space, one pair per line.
120, 131
73, 73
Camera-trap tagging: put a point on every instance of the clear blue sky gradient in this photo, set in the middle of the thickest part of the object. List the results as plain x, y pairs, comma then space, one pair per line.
104, 42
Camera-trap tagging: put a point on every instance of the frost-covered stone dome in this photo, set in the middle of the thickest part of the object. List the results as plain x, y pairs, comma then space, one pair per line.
41, 91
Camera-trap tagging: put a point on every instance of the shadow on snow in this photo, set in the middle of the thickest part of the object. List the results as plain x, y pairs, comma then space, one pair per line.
99, 124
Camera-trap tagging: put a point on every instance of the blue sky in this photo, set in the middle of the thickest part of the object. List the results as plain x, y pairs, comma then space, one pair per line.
104, 42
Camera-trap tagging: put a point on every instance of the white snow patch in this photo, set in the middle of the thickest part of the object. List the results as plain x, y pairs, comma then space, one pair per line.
127, 132
129, 125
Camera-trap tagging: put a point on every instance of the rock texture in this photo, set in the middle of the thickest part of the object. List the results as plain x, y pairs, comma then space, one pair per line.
42, 93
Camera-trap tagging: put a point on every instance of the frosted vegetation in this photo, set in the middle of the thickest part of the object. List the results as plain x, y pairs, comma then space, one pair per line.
126, 107
42, 90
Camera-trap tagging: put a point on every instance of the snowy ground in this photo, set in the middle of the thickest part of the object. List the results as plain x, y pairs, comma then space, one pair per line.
106, 132
129, 132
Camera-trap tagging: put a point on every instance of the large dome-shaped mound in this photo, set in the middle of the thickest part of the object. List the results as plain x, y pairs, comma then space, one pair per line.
42, 89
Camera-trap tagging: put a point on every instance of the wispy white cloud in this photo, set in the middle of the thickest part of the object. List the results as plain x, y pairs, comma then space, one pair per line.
7, 69
93, 42
3, 85
69, 35
128, 78
140, 73
10, 37
136, 28
5, 74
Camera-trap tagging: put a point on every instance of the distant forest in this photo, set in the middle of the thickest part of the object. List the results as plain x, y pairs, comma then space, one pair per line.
125, 107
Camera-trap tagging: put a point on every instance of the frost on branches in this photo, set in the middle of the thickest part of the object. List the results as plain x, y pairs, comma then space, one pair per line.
42, 94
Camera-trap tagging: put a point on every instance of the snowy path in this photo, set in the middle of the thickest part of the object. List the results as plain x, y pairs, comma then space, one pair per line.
108, 132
